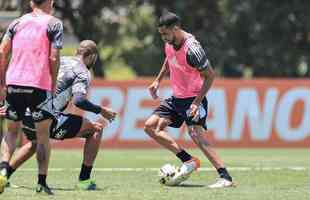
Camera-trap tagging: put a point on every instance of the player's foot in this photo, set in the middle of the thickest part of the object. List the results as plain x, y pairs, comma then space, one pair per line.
3, 179
86, 185
44, 188
185, 170
221, 183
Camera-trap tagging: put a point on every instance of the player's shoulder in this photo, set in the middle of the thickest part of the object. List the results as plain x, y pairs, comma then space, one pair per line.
55, 22
76, 65
192, 42
70, 61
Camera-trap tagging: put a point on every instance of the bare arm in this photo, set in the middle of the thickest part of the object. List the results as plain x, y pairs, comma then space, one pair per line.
55, 35
54, 64
164, 70
5, 50
197, 58
155, 85
208, 74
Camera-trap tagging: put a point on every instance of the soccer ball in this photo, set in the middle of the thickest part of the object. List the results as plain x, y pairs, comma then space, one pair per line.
166, 174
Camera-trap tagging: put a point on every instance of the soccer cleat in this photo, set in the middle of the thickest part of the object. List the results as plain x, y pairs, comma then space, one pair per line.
41, 188
185, 170
3, 180
86, 185
221, 183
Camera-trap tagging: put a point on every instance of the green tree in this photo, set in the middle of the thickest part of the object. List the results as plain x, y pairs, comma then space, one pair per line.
123, 29
271, 36
203, 19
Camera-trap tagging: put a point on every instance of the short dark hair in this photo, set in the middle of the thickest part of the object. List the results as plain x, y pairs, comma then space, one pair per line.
169, 19
86, 48
39, 2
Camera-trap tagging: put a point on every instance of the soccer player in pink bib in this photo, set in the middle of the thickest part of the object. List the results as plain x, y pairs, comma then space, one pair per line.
191, 77
34, 42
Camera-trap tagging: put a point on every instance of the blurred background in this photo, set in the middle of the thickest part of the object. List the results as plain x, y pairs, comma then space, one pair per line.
260, 50
243, 38
260, 98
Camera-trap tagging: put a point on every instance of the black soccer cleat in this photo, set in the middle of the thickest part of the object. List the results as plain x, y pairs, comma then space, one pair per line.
41, 188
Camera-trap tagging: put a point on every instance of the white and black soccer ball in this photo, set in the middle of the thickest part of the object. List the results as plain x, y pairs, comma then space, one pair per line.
166, 174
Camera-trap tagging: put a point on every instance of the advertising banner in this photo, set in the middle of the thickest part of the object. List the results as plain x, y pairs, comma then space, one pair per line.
242, 113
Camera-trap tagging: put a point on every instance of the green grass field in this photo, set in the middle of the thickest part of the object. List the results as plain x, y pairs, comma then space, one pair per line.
277, 174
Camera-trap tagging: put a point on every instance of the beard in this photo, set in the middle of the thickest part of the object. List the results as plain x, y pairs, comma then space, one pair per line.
172, 41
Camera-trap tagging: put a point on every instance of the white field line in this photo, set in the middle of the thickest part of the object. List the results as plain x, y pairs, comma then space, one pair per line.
295, 168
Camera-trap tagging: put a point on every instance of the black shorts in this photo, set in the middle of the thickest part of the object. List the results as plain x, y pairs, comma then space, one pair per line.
66, 126
176, 109
19, 98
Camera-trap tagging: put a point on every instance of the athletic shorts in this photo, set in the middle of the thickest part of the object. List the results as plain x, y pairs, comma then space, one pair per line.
66, 126
19, 98
177, 110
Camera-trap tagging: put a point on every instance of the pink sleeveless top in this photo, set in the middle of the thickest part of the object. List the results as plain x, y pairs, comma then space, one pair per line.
29, 64
185, 80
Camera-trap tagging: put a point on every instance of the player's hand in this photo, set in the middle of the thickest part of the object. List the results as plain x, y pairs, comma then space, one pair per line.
98, 126
193, 111
108, 114
153, 88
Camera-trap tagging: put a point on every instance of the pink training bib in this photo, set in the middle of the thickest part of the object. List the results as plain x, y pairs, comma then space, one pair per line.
185, 80
29, 64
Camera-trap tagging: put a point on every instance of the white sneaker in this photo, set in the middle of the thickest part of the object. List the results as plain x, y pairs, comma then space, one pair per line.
221, 183
185, 170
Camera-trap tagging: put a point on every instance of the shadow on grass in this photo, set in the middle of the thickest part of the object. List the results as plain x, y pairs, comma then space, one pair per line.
55, 188
190, 185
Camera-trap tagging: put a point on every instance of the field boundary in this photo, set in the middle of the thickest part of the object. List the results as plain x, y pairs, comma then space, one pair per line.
128, 169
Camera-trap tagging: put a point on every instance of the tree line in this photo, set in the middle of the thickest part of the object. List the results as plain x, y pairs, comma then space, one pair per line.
267, 38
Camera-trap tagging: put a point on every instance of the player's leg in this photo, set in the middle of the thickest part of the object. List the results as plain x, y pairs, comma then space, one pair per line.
155, 128
23, 154
27, 150
166, 115
72, 126
43, 154
197, 132
8, 145
43, 114
14, 112
92, 132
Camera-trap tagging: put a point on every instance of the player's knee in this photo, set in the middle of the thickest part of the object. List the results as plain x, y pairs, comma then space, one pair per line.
97, 135
149, 127
13, 129
198, 138
194, 134
94, 130
97, 127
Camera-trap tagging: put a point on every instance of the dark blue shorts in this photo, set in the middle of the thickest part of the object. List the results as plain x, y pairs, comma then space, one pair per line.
20, 98
66, 126
176, 109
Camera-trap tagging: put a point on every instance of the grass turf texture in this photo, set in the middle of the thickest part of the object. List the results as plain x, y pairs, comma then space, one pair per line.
271, 177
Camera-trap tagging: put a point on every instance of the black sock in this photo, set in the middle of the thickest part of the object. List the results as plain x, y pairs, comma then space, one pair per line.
4, 168
10, 171
4, 164
184, 156
85, 172
42, 179
224, 174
